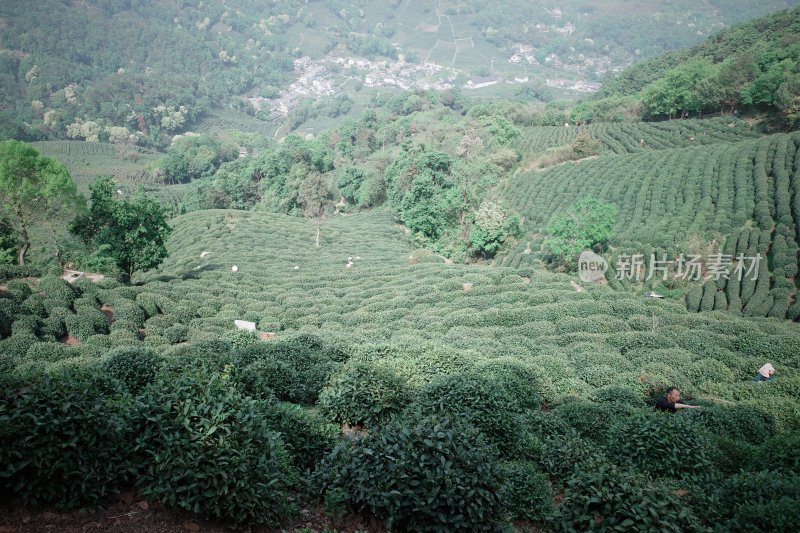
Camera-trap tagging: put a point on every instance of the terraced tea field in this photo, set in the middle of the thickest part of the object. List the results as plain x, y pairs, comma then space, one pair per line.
676, 200
637, 137
87, 160
538, 373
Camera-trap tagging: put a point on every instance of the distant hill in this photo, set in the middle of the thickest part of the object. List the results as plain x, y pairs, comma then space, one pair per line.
754, 66
78, 69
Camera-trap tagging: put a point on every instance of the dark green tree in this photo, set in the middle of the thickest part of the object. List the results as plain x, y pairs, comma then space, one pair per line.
34, 189
131, 231
313, 198
588, 225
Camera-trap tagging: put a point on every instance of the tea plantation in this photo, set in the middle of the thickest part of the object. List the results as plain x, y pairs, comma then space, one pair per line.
618, 138
435, 396
742, 196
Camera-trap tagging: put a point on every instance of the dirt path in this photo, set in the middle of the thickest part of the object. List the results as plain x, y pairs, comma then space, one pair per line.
130, 513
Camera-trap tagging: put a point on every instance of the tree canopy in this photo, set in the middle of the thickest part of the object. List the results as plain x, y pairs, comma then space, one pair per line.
132, 231
589, 224
33, 189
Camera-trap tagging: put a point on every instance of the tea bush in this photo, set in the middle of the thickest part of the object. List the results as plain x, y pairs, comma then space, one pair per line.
66, 439
477, 401
660, 443
607, 498
134, 366
527, 493
759, 501
364, 394
427, 474
211, 450
56, 291
306, 435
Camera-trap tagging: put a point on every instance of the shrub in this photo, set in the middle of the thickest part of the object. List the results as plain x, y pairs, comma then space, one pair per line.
526, 383
19, 271
150, 303
310, 362
8, 310
56, 290
307, 436
133, 366
53, 327
158, 324
48, 351
177, 333
17, 345
86, 323
18, 290
760, 501
590, 420
732, 455
743, 421
622, 394
780, 452
210, 450
527, 492
477, 401
431, 474
34, 305
266, 379
66, 439
239, 338
606, 498
560, 453
129, 311
25, 324
660, 443
365, 394
205, 356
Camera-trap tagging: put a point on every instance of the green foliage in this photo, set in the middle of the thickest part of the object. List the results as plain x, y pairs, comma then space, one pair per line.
478, 401
492, 228
605, 498
584, 145
527, 495
364, 394
429, 474
66, 440
131, 231
33, 190
133, 366
588, 225
295, 369
660, 443
759, 501
307, 437
212, 451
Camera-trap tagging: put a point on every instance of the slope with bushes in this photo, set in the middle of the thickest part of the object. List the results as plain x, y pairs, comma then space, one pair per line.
728, 198
484, 389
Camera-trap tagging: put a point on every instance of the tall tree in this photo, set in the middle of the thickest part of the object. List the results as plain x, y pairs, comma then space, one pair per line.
132, 232
589, 224
33, 189
313, 198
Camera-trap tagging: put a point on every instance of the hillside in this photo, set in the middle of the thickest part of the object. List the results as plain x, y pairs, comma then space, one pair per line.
156, 68
698, 200
752, 67
370, 311
551, 375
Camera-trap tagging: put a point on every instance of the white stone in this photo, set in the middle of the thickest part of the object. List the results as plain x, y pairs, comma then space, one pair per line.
296, 267
245, 325
234, 268
205, 253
